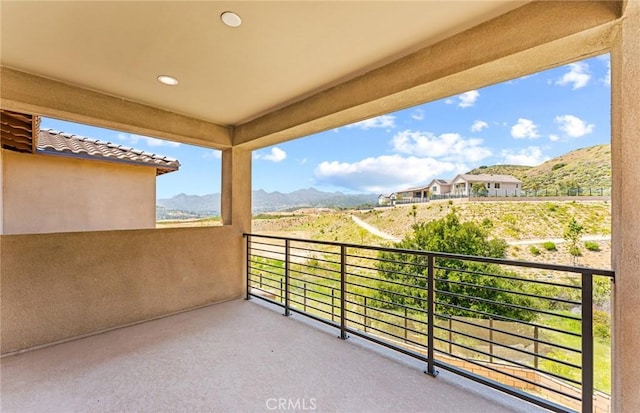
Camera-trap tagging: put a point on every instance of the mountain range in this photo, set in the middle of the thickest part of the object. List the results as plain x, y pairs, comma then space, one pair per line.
587, 168
192, 206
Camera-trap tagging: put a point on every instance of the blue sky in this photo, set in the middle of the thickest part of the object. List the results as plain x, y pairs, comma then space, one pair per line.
524, 121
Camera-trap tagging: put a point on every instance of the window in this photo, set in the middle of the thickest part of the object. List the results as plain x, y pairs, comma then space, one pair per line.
434, 188
489, 185
496, 185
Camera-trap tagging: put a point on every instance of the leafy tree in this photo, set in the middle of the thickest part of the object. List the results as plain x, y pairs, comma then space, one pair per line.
458, 281
572, 234
479, 189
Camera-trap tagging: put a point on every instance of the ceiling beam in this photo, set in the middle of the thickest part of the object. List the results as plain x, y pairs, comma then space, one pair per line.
534, 37
27, 93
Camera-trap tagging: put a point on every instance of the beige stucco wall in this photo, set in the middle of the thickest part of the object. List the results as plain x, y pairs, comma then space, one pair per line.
57, 286
44, 193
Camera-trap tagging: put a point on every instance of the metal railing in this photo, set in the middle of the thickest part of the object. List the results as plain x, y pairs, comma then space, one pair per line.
521, 327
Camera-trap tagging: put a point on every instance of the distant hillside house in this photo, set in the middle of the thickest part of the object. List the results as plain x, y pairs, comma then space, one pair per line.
386, 200
439, 187
413, 194
62, 183
497, 185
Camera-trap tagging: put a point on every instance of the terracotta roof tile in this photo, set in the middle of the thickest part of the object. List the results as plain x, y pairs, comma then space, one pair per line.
50, 141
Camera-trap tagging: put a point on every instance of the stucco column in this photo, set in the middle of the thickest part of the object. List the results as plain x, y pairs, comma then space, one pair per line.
625, 240
236, 188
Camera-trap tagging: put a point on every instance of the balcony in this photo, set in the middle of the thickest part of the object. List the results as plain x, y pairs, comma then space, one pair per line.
524, 328
234, 356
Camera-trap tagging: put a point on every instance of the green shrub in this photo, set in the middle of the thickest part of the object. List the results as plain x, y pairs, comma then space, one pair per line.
592, 246
552, 207
575, 252
549, 246
534, 250
558, 166
601, 324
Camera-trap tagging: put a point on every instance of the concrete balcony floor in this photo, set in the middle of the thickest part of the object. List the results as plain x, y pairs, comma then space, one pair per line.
239, 356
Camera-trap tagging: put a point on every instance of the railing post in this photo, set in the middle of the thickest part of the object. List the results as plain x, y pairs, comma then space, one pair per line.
405, 324
248, 248
287, 311
450, 335
535, 346
366, 321
343, 290
491, 340
304, 297
587, 342
431, 285
333, 306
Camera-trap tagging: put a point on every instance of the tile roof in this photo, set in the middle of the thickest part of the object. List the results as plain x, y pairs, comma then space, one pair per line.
58, 143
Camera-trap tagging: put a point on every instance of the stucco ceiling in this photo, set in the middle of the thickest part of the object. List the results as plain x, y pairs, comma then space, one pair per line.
283, 51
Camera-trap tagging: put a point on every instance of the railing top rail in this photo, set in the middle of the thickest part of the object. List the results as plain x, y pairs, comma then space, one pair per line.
500, 261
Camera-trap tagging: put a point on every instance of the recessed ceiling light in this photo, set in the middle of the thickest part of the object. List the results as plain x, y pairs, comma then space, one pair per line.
167, 80
230, 19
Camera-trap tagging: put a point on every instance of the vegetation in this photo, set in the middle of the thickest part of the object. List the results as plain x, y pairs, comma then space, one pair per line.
572, 234
479, 189
466, 278
534, 250
549, 246
588, 168
592, 246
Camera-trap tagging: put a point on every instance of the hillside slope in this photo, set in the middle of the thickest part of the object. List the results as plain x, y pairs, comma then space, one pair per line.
586, 168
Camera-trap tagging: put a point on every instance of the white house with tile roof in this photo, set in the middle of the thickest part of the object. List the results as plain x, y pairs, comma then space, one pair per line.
67, 183
497, 185
439, 187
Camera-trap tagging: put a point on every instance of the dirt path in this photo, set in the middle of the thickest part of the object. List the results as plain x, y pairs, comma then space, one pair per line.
375, 231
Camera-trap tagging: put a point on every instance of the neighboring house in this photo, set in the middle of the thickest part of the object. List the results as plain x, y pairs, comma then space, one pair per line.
384, 200
439, 187
64, 183
413, 194
497, 185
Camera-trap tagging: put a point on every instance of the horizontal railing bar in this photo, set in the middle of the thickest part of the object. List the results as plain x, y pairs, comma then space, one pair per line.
497, 330
369, 317
486, 287
487, 365
506, 389
267, 271
303, 281
385, 281
383, 332
506, 277
520, 307
267, 278
386, 344
505, 318
390, 303
388, 292
313, 275
525, 264
309, 291
311, 299
512, 362
497, 343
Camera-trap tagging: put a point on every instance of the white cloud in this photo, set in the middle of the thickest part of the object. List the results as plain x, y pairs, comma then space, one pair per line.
384, 121
418, 114
464, 100
384, 174
479, 125
525, 128
212, 154
132, 139
531, 156
448, 146
578, 75
276, 155
607, 77
573, 126
554, 138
